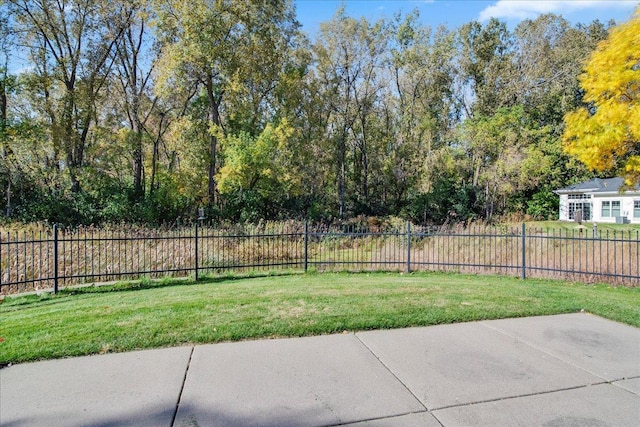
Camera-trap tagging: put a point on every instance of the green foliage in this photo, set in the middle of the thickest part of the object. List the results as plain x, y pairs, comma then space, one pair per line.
108, 203
485, 65
257, 178
71, 48
448, 201
257, 164
504, 158
543, 204
227, 106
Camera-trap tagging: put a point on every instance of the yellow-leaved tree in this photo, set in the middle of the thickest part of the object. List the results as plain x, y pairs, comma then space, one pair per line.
605, 134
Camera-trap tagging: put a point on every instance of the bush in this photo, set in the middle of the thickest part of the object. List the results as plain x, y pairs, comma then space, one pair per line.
448, 201
543, 205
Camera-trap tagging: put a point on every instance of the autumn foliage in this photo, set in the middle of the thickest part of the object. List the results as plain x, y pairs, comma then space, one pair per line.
155, 111
605, 133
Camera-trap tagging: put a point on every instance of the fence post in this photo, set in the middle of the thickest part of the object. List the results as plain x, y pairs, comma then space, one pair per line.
408, 247
306, 246
524, 254
55, 258
196, 236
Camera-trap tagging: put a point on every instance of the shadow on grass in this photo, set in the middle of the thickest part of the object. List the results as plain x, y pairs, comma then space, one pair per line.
47, 297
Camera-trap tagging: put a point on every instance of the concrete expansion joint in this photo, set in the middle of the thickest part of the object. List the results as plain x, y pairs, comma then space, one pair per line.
391, 372
369, 420
502, 399
546, 352
464, 374
184, 380
616, 383
634, 377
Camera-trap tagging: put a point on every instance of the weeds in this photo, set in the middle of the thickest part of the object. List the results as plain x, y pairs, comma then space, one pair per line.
98, 255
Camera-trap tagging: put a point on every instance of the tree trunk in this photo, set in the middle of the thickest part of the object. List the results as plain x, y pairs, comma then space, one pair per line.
365, 162
214, 117
342, 153
138, 165
3, 108
154, 156
71, 138
3, 139
9, 197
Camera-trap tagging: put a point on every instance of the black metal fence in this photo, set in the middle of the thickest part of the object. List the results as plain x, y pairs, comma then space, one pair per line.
53, 258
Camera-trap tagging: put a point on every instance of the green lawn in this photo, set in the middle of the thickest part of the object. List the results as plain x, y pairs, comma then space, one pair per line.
570, 226
133, 316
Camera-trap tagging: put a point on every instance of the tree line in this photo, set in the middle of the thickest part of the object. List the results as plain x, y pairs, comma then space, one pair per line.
146, 111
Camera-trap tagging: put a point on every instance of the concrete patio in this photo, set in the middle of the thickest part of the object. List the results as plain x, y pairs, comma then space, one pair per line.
564, 370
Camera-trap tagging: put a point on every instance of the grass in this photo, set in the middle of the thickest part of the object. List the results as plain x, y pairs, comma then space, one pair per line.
569, 226
152, 314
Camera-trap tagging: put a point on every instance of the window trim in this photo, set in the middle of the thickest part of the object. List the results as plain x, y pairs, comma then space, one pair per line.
611, 208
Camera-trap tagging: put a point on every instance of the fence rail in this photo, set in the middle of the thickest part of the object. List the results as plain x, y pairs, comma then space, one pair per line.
54, 257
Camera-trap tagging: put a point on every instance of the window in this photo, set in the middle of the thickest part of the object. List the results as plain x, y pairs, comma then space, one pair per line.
579, 202
636, 208
579, 196
615, 208
610, 208
584, 207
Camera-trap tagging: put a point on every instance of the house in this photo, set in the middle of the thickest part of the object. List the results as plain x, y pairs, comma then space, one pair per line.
600, 200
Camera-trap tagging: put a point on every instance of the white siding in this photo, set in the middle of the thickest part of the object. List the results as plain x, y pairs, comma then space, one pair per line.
564, 208
570, 203
598, 197
626, 207
635, 213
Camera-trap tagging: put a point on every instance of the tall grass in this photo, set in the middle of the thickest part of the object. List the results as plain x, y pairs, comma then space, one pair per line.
89, 254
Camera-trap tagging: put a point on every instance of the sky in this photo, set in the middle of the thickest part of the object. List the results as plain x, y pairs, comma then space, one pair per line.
454, 13
451, 13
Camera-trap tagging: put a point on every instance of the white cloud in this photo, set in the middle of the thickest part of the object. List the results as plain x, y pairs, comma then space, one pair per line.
524, 9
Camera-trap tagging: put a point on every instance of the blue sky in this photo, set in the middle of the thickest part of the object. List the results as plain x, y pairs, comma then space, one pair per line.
454, 13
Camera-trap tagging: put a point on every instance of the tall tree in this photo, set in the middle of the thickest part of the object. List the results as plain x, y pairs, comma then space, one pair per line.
421, 99
70, 45
605, 133
350, 58
504, 156
304, 102
213, 45
134, 68
5, 86
485, 67
549, 54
